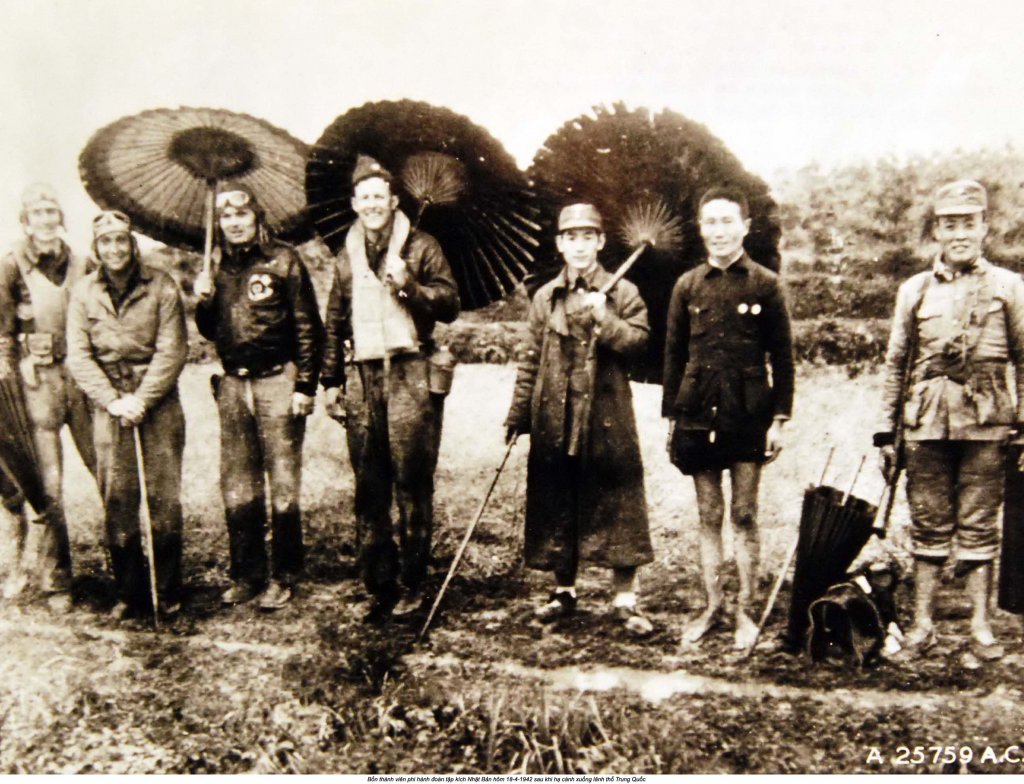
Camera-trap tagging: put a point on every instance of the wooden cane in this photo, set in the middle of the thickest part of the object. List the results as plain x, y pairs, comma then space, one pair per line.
465, 540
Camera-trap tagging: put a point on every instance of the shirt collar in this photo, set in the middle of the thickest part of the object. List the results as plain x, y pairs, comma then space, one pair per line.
738, 267
594, 278
946, 273
137, 275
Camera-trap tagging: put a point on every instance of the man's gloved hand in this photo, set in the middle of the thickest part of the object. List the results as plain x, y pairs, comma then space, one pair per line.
203, 286
396, 271
334, 405
302, 405
887, 461
133, 410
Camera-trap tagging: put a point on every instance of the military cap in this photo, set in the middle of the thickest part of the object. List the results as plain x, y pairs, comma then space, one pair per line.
962, 197
366, 167
579, 216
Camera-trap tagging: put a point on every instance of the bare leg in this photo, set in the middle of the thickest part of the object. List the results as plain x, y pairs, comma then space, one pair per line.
743, 513
926, 578
711, 507
979, 588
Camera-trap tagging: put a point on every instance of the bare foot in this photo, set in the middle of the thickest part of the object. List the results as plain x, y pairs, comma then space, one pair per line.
695, 630
746, 631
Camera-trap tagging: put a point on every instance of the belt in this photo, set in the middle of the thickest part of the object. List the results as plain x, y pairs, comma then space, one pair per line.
243, 372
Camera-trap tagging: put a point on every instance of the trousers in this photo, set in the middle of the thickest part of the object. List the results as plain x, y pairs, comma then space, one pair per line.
261, 440
393, 442
53, 400
162, 434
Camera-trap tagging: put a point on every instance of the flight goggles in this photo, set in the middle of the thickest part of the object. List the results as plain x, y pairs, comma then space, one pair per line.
233, 199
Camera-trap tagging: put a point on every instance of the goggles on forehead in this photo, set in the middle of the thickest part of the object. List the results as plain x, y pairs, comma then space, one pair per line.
233, 199
105, 216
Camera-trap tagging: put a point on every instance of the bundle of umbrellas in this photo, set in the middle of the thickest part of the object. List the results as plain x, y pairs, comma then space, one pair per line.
18, 461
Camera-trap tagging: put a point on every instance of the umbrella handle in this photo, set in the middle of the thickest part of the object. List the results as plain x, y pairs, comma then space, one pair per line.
211, 197
624, 268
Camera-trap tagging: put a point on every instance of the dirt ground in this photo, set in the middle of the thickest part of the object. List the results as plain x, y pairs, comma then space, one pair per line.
312, 689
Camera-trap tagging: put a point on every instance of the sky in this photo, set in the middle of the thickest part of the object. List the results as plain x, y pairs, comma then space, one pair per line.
781, 82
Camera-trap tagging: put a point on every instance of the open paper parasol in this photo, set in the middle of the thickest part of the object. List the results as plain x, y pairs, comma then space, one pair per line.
636, 167
18, 460
162, 167
458, 184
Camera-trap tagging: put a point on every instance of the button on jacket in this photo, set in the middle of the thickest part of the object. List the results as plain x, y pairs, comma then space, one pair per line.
969, 327
264, 313
725, 329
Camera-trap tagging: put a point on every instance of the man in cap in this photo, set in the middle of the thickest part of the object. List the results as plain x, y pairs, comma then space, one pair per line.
391, 285
956, 328
585, 479
260, 311
36, 277
127, 345
727, 326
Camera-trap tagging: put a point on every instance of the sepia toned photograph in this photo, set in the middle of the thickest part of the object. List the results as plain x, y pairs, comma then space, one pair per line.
437, 391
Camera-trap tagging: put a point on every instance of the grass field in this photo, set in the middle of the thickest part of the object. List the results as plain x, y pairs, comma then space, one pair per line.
311, 689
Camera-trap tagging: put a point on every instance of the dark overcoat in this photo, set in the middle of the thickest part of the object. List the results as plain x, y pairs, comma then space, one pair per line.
597, 504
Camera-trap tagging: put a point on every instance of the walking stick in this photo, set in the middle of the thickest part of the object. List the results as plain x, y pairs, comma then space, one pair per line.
785, 568
465, 541
146, 525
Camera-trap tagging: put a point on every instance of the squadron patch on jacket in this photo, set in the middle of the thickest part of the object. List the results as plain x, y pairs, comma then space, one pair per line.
261, 286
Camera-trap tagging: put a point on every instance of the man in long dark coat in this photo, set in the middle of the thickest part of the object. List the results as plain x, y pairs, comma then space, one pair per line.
585, 493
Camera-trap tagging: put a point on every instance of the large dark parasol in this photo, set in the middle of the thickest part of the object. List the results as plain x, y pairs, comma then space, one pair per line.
635, 166
162, 168
19, 463
458, 184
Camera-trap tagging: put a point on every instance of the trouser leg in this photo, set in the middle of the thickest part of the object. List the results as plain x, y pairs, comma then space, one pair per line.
119, 488
163, 444
242, 483
369, 450
281, 436
979, 492
79, 421
48, 543
932, 476
413, 433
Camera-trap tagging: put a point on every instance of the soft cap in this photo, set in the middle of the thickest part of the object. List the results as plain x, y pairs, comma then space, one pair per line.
579, 216
962, 197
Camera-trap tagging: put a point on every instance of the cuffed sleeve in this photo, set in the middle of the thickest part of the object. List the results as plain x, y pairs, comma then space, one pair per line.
338, 327
170, 349
309, 329
677, 339
526, 376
